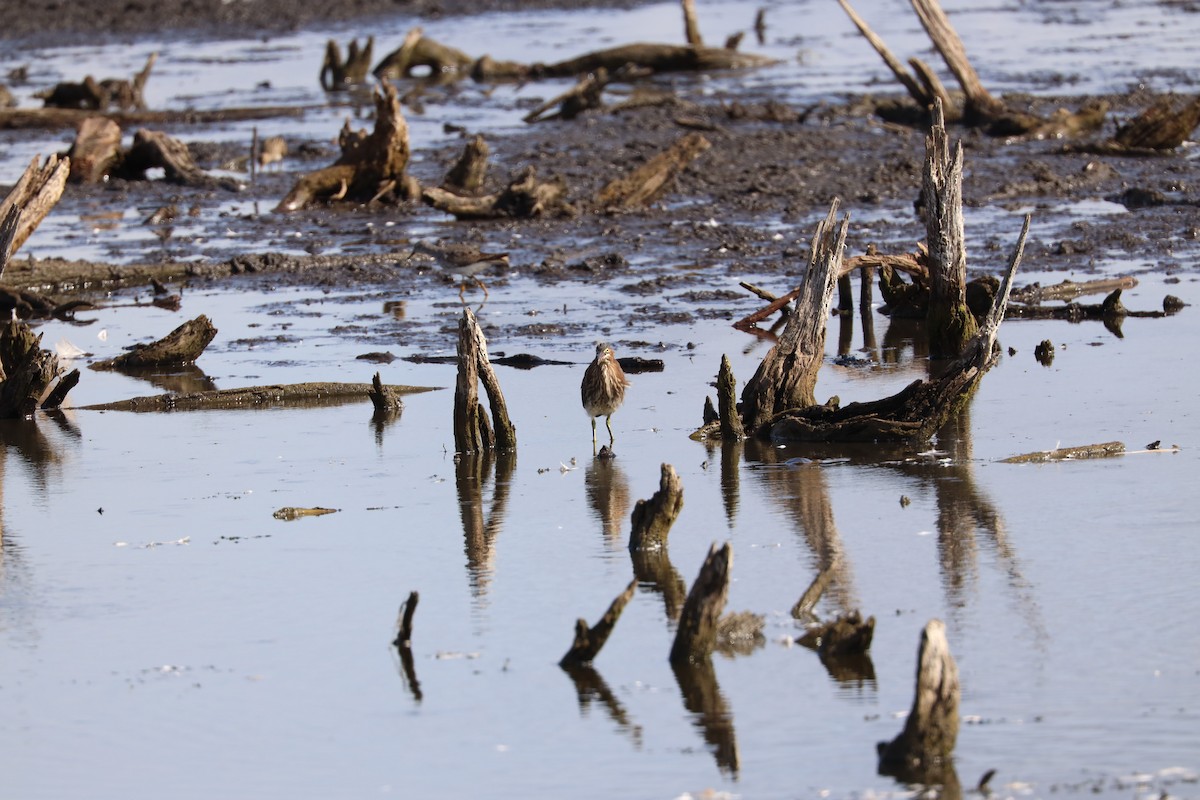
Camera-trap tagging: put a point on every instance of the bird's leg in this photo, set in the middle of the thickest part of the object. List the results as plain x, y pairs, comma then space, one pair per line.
608, 421
481, 286
462, 288
593, 436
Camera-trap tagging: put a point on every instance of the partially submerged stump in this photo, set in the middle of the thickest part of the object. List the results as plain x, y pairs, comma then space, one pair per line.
386, 402
787, 376
588, 641
419, 51
924, 748
96, 95
338, 74
468, 174
697, 632
949, 322
26, 370
652, 519
179, 347
726, 422
472, 433
371, 167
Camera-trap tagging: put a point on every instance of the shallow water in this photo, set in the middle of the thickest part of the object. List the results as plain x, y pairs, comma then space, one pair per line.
161, 634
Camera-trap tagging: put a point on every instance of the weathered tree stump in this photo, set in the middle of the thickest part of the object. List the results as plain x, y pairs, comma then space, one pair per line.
95, 151
949, 321
26, 370
338, 75
697, 632
524, 198
181, 346
652, 179
371, 165
915, 413
652, 519
931, 730
472, 433
588, 641
787, 376
848, 635
583, 96
153, 149
468, 174
386, 402
726, 423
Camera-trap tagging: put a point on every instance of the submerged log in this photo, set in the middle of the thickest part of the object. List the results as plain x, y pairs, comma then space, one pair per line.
697, 632
848, 635
404, 625
652, 519
278, 396
419, 50
949, 322
588, 641
371, 165
655, 58
1103, 450
338, 75
472, 433
179, 347
583, 96
524, 198
652, 179
788, 374
931, 729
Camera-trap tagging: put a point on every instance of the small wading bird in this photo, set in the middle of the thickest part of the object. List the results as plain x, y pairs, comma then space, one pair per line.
272, 150
603, 389
463, 260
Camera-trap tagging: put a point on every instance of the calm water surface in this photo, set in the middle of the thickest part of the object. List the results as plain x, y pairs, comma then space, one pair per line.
162, 635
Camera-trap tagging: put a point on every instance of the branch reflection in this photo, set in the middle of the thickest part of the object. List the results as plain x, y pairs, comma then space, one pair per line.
702, 697
590, 686
471, 472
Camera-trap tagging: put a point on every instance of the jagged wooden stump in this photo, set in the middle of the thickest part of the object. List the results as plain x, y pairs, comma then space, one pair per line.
472, 432
652, 519
588, 641
697, 632
181, 346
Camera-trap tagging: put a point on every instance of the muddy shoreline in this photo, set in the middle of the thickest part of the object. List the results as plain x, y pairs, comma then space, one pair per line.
745, 206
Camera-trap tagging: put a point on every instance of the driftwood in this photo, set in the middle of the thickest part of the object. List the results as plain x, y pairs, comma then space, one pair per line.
404, 625
153, 149
1103, 450
1068, 289
787, 375
35, 193
654, 58
848, 635
924, 748
651, 180
916, 412
371, 165
524, 198
812, 595
93, 95
419, 51
26, 370
697, 632
96, 149
309, 395
386, 402
979, 108
1160, 129
725, 422
339, 75
583, 96
949, 322
472, 433
181, 346
652, 519
468, 174
588, 641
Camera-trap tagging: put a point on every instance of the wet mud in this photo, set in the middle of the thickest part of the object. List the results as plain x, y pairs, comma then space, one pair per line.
746, 205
